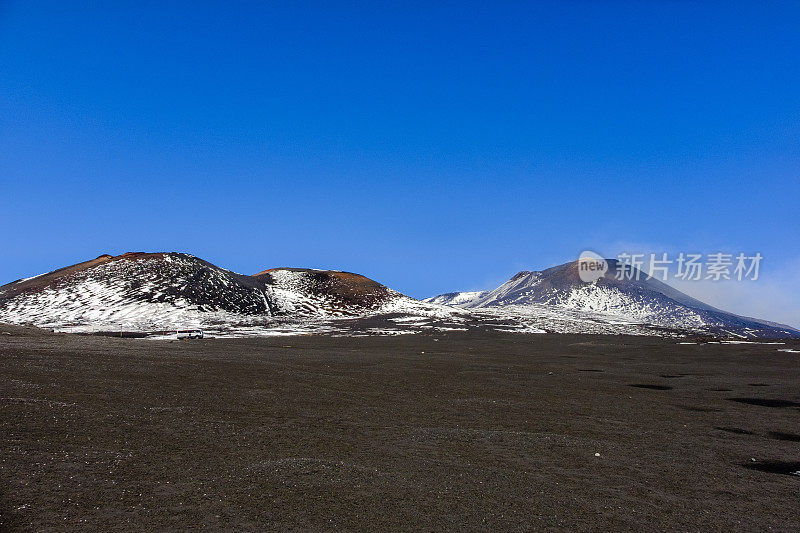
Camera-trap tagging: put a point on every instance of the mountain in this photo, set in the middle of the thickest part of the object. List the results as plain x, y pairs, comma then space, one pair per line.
459, 299
160, 291
135, 290
306, 291
156, 292
641, 299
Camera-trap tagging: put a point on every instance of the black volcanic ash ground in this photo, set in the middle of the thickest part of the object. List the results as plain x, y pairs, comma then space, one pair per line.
458, 431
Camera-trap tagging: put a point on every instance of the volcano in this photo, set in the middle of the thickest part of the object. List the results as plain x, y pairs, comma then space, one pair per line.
306, 291
158, 292
637, 297
162, 291
135, 290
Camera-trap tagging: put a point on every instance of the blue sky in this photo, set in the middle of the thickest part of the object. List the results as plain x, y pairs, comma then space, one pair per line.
430, 148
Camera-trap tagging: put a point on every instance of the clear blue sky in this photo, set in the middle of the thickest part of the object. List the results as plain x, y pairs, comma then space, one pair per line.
430, 148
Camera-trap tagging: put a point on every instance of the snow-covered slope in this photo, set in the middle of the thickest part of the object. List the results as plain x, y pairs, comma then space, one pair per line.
461, 299
644, 300
164, 291
152, 292
134, 291
311, 292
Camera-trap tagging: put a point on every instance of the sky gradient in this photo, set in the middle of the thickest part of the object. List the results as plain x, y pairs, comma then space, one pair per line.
433, 149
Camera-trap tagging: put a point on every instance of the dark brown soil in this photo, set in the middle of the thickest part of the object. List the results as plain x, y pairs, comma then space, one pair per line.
458, 431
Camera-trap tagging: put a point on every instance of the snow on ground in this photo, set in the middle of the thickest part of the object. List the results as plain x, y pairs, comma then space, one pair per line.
541, 318
135, 297
456, 298
161, 293
143, 295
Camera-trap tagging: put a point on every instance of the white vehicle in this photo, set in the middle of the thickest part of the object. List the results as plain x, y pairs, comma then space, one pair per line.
190, 333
